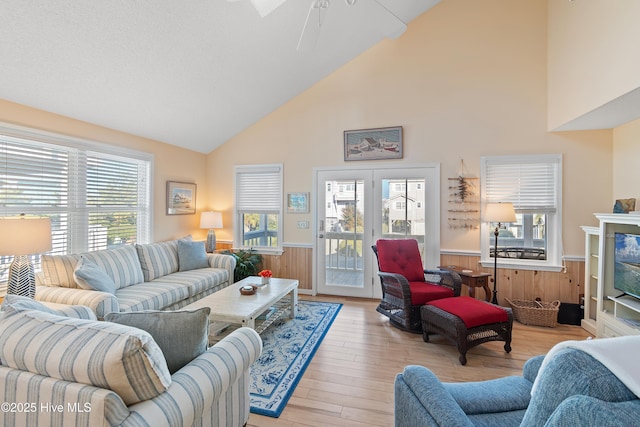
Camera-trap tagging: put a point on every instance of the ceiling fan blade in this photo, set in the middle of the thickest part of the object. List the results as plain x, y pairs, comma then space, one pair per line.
395, 27
311, 29
265, 7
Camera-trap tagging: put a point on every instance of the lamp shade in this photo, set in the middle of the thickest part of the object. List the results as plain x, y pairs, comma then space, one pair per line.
499, 212
211, 220
22, 235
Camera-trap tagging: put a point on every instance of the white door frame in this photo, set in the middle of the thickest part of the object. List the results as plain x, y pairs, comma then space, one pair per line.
429, 171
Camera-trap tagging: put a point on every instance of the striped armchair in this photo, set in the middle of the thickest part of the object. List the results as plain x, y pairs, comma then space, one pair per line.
76, 372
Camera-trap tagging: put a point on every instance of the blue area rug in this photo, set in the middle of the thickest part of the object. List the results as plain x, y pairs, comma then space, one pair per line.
288, 347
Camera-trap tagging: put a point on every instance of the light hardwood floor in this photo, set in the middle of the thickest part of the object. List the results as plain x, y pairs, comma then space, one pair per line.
349, 382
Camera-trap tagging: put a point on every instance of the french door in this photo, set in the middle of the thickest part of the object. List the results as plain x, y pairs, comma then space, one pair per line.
357, 206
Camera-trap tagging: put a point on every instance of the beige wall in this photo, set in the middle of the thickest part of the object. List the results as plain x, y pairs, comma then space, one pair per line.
467, 79
170, 163
593, 55
626, 158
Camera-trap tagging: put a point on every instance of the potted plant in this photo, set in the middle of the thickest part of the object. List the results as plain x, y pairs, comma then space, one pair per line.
247, 263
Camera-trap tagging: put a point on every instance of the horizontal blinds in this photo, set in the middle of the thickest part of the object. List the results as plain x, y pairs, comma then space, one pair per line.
34, 180
113, 199
530, 186
95, 199
32, 176
259, 189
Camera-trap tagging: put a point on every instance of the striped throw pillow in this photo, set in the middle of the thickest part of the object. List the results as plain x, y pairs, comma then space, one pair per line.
158, 259
20, 303
120, 263
120, 358
57, 270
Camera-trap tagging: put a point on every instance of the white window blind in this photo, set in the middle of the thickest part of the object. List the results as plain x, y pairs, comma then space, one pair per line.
259, 189
95, 199
530, 185
258, 205
116, 199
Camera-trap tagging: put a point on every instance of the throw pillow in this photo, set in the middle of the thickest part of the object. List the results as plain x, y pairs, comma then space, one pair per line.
89, 276
181, 335
106, 355
191, 255
20, 303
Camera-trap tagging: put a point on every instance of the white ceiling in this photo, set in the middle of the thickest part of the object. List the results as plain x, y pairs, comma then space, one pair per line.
192, 74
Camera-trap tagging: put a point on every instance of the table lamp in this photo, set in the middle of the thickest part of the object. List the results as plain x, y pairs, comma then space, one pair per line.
500, 213
211, 220
22, 237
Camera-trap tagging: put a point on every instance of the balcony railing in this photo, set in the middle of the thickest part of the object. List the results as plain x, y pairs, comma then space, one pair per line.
261, 238
343, 251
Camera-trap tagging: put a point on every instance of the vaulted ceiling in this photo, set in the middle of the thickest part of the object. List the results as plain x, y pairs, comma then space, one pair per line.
191, 74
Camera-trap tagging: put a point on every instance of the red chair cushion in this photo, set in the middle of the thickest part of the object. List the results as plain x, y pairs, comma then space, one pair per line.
471, 311
423, 292
401, 257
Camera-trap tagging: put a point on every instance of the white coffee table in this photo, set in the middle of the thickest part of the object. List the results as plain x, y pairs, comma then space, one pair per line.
228, 305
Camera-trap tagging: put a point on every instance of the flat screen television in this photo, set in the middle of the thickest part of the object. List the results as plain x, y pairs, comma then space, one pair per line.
626, 273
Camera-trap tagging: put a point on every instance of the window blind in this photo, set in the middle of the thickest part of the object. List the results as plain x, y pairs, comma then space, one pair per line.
530, 186
259, 189
94, 199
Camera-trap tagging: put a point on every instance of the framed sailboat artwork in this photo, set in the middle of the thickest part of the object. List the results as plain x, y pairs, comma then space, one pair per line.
373, 144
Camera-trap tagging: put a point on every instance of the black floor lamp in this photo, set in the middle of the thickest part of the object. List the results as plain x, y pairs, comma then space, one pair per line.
500, 213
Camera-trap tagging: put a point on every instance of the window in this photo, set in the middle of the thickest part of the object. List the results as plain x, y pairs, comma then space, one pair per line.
97, 196
259, 207
406, 215
534, 185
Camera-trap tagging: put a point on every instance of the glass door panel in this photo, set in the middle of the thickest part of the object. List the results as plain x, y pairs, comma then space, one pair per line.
342, 244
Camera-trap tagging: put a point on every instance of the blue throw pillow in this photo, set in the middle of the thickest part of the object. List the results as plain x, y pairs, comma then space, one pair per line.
191, 255
89, 276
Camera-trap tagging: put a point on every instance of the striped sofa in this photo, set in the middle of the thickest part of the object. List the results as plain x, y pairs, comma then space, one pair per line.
77, 371
146, 277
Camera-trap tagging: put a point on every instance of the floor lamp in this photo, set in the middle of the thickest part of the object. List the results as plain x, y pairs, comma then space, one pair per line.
500, 213
22, 237
211, 220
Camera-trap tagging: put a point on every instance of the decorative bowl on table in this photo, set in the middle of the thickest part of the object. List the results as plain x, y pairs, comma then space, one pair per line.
248, 289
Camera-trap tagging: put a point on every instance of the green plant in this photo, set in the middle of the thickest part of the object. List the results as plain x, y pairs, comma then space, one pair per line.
247, 263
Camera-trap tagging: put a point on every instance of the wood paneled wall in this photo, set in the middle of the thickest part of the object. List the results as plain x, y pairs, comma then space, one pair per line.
294, 263
566, 286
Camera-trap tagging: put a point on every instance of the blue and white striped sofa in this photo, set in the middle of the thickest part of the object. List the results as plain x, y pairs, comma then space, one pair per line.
146, 276
58, 370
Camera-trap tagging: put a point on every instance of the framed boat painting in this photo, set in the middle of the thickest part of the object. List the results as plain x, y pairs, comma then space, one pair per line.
373, 144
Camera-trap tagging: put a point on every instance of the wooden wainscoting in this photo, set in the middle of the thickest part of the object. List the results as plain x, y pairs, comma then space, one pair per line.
294, 263
527, 284
297, 263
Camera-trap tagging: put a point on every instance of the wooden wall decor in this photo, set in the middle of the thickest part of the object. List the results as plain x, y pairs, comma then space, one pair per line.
464, 201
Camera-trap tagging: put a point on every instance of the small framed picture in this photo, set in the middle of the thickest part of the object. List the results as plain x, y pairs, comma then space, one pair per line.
373, 144
297, 202
181, 198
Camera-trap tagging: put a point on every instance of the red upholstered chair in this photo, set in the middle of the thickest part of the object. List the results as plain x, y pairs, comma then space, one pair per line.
404, 286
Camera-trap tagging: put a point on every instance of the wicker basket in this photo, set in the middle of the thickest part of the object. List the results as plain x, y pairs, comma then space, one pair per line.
535, 313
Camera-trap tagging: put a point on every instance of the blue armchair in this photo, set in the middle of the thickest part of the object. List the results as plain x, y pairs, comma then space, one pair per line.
574, 389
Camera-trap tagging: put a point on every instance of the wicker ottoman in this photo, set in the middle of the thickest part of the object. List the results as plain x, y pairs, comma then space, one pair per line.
467, 322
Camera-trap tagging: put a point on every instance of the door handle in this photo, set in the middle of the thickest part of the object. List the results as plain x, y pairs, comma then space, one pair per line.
320, 236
